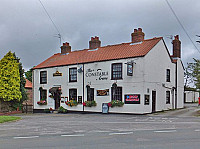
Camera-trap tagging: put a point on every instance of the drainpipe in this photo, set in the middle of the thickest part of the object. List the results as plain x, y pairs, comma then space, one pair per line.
83, 86
176, 87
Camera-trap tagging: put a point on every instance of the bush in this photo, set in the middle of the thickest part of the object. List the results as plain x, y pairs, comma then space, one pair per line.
62, 110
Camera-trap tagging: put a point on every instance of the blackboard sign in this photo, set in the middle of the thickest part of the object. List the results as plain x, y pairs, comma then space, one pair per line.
79, 99
132, 99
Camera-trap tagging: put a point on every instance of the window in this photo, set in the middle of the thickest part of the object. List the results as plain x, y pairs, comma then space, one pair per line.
146, 99
73, 94
90, 94
116, 71
43, 77
167, 97
116, 93
43, 94
168, 75
72, 74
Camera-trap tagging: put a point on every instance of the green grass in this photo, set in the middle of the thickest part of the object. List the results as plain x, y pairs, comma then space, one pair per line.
8, 118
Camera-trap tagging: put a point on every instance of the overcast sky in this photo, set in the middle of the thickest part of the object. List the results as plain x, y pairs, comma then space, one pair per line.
26, 29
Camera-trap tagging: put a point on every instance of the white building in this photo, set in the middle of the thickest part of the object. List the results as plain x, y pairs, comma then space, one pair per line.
191, 96
140, 73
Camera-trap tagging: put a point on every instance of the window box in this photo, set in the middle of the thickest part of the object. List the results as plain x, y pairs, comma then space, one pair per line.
71, 103
90, 103
42, 102
115, 103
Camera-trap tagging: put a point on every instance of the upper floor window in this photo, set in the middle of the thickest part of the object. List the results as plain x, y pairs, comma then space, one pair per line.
167, 97
116, 71
72, 74
168, 75
43, 77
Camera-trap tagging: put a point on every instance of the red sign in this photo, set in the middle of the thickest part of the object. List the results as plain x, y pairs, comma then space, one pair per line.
132, 99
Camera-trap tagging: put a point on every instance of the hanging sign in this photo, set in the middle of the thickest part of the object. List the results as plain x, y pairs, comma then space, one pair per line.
103, 92
129, 69
132, 99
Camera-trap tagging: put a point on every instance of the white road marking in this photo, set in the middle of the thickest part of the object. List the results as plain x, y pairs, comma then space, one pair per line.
29, 137
121, 133
197, 130
165, 131
78, 135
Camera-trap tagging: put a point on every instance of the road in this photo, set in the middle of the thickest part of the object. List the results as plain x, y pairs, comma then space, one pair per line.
166, 130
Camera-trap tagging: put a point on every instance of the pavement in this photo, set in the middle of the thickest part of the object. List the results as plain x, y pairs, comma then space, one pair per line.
174, 129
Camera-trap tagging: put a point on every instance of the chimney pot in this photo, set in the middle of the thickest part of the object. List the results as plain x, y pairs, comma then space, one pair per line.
137, 35
94, 43
65, 48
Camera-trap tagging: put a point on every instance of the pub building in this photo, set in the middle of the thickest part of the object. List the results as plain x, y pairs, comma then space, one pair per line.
141, 75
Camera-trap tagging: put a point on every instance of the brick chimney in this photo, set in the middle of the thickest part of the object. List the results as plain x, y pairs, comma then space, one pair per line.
137, 35
94, 43
176, 47
65, 48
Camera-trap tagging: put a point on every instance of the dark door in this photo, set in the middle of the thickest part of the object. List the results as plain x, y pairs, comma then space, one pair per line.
57, 100
153, 101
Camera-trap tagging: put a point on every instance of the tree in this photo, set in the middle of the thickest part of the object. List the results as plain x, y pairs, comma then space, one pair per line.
9, 78
196, 72
28, 75
188, 74
22, 80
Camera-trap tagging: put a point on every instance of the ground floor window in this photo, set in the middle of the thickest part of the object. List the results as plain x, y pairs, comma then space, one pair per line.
116, 93
167, 97
73, 94
43, 95
90, 94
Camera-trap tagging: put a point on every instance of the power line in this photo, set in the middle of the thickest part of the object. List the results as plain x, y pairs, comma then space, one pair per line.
181, 25
59, 34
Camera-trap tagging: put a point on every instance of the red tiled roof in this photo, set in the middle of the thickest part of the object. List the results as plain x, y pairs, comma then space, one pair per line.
119, 51
28, 84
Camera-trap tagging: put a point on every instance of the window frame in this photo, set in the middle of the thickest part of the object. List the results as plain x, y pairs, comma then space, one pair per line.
43, 94
120, 73
72, 96
167, 75
167, 97
118, 96
72, 75
43, 79
91, 97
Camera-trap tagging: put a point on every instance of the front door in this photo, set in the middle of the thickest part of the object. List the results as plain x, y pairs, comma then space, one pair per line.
153, 101
57, 100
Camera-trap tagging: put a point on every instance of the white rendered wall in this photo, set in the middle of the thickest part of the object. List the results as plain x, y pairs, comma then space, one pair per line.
149, 74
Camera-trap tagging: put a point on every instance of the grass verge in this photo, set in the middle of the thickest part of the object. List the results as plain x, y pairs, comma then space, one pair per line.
8, 118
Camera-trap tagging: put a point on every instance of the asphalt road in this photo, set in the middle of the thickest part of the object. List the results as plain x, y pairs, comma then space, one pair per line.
165, 130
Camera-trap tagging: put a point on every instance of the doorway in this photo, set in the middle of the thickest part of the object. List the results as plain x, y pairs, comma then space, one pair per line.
153, 101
